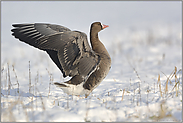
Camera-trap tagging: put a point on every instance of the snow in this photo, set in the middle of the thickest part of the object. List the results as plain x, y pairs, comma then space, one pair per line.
131, 91
135, 70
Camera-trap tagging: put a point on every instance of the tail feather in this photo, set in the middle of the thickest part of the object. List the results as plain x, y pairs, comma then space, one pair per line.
60, 84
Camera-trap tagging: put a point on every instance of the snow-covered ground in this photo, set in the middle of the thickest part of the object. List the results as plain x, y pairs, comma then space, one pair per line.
144, 62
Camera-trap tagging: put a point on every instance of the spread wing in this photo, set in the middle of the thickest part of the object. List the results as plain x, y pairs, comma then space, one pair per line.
68, 49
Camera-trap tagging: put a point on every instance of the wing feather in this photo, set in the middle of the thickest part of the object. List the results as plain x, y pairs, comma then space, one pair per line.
68, 49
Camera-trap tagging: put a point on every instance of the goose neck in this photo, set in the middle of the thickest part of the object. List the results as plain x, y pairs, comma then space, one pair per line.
94, 38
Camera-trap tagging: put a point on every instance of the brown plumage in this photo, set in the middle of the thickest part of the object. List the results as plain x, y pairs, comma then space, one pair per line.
71, 52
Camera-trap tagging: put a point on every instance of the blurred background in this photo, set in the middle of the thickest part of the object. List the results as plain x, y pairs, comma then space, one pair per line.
135, 21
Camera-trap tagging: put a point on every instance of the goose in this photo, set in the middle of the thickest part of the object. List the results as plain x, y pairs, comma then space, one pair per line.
70, 51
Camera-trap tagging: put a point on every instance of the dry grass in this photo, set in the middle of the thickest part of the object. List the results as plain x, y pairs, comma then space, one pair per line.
163, 113
9, 80
51, 80
166, 91
16, 79
29, 79
123, 94
159, 83
8, 114
8, 105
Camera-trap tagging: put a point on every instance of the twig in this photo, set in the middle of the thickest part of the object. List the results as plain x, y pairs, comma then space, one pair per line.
123, 94
51, 80
16, 78
29, 79
137, 76
9, 81
159, 85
